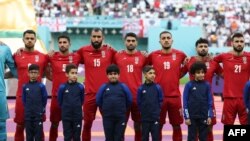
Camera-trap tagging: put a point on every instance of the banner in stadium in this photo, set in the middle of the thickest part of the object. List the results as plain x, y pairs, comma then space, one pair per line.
135, 26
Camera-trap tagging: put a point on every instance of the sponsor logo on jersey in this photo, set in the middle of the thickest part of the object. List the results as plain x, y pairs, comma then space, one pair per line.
136, 60
36, 58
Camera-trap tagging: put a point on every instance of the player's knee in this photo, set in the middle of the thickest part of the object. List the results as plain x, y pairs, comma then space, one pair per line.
54, 124
20, 125
87, 124
210, 128
176, 127
137, 126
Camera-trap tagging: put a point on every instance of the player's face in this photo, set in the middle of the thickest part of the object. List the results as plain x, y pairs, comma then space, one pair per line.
29, 40
72, 75
33, 75
238, 44
96, 39
166, 40
150, 76
113, 77
130, 43
199, 75
202, 49
63, 45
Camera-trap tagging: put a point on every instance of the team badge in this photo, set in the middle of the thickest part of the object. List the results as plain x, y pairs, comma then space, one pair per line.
174, 56
244, 59
103, 54
136, 60
70, 59
36, 58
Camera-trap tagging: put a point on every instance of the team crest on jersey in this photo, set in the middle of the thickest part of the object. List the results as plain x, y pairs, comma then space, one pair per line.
70, 59
103, 54
174, 56
136, 60
207, 64
244, 59
36, 58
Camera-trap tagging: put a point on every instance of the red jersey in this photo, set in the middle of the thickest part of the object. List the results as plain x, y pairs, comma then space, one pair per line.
168, 70
212, 67
131, 66
22, 63
95, 62
236, 73
58, 65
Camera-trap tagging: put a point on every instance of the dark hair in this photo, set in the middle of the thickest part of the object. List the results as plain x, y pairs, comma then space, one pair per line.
69, 67
33, 67
198, 66
130, 34
29, 32
112, 68
237, 35
201, 41
163, 32
63, 36
147, 68
97, 30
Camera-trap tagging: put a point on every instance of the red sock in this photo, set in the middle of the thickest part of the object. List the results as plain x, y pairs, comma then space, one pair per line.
19, 134
86, 133
177, 134
138, 135
210, 136
53, 133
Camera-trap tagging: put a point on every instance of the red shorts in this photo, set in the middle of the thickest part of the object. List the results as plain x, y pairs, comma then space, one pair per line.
89, 107
173, 106
232, 107
55, 110
19, 110
135, 113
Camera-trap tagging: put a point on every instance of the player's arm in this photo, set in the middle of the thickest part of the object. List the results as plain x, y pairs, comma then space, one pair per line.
185, 103
128, 95
247, 96
184, 67
139, 92
11, 65
48, 72
44, 96
160, 94
99, 95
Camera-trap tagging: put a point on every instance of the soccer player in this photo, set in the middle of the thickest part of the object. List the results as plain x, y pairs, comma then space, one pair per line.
34, 99
70, 99
131, 62
114, 99
58, 62
5, 59
96, 57
212, 68
236, 73
167, 63
197, 103
27, 57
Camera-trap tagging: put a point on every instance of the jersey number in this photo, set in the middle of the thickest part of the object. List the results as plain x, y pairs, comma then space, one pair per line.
130, 68
237, 68
97, 62
166, 65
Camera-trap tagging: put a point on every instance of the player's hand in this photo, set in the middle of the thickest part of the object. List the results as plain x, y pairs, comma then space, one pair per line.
51, 53
188, 122
247, 110
209, 121
19, 51
186, 61
143, 52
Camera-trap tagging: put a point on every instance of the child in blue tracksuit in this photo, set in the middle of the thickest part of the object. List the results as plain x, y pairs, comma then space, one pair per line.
70, 99
34, 98
114, 99
247, 99
149, 100
197, 103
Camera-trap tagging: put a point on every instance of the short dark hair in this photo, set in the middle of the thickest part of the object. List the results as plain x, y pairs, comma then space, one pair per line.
29, 32
33, 67
69, 67
147, 68
130, 34
97, 30
198, 66
201, 41
63, 36
163, 32
112, 68
237, 35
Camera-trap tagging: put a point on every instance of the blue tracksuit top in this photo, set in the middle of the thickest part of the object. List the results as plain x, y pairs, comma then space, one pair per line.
149, 100
70, 99
247, 95
114, 100
34, 98
197, 100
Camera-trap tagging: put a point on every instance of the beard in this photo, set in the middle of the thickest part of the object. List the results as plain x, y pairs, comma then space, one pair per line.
131, 48
238, 49
96, 45
166, 47
63, 50
202, 54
